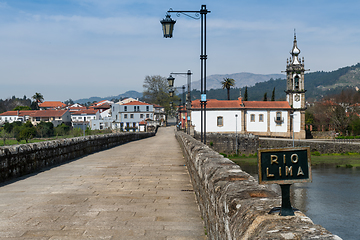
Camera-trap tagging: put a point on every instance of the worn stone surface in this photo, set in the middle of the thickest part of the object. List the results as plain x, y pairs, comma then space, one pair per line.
18, 160
138, 190
234, 205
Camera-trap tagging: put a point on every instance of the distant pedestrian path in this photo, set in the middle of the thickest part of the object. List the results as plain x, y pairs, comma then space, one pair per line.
139, 190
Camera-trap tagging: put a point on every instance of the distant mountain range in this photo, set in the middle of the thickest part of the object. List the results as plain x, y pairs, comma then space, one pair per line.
317, 85
132, 94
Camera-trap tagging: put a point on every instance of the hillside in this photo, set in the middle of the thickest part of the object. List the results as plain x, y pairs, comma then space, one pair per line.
317, 85
133, 94
241, 79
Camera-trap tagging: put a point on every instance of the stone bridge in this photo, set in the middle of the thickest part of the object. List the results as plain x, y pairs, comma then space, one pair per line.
150, 188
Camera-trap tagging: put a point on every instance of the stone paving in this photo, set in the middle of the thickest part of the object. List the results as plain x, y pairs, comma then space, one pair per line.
139, 190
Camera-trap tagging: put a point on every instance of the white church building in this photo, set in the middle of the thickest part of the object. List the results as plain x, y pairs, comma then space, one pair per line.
263, 118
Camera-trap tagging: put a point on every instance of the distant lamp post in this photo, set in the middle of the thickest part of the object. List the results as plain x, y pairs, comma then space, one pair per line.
171, 104
292, 115
171, 80
168, 28
171, 93
236, 144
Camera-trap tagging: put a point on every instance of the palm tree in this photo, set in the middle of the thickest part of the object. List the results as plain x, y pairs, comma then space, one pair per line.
227, 83
38, 97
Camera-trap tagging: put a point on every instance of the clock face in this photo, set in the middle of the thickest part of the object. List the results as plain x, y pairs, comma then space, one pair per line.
297, 98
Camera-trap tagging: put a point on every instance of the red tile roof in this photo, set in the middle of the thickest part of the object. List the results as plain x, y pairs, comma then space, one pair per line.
52, 104
214, 103
48, 113
17, 113
87, 111
267, 104
136, 103
102, 106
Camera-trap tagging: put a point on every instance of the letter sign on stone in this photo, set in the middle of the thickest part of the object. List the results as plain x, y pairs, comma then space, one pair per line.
284, 166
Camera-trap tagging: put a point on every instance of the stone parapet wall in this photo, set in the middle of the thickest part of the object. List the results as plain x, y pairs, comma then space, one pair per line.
249, 144
325, 146
19, 160
226, 143
234, 205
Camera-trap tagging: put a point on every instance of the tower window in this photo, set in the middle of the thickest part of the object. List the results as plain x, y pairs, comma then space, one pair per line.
296, 82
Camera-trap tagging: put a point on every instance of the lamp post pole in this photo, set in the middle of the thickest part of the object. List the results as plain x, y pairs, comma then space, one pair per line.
168, 27
188, 98
292, 119
236, 137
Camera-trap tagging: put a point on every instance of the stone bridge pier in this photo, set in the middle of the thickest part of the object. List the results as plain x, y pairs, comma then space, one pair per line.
138, 190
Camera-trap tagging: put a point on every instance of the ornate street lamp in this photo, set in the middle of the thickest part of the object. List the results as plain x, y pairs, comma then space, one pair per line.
168, 27
171, 81
171, 93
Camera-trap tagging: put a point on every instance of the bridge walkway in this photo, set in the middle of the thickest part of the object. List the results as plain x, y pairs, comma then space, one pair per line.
139, 190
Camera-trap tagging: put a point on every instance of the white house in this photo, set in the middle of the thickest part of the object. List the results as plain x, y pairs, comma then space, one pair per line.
126, 117
129, 115
263, 118
13, 116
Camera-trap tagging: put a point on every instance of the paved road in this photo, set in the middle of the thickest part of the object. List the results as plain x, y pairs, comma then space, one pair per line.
139, 190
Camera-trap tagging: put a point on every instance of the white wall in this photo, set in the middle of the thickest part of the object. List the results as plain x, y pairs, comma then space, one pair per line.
278, 128
297, 118
229, 121
256, 126
296, 104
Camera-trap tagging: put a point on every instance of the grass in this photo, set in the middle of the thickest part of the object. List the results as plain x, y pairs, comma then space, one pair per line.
348, 160
14, 142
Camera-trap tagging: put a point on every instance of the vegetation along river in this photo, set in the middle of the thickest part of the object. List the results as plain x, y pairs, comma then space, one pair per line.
332, 199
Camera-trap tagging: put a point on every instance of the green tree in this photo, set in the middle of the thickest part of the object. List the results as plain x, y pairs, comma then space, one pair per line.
45, 129
22, 108
4, 135
228, 83
355, 126
62, 129
38, 97
156, 91
246, 94
265, 97
26, 132
273, 95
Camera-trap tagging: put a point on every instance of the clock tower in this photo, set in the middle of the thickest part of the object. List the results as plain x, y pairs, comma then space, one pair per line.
295, 91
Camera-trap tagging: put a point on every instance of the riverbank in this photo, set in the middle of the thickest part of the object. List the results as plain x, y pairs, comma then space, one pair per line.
348, 160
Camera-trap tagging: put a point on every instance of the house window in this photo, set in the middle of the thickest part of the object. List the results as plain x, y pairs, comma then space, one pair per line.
147, 108
125, 115
125, 108
138, 108
261, 117
141, 115
131, 115
278, 118
147, 115
252, 118
220, 121
134, 125
134, 108
37, 119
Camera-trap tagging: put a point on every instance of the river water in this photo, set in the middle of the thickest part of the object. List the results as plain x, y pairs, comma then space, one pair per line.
332, 199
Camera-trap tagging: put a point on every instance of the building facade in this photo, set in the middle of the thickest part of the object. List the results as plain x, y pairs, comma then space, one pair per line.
263, 118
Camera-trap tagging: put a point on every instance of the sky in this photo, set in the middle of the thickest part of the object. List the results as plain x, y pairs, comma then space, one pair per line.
72, 49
